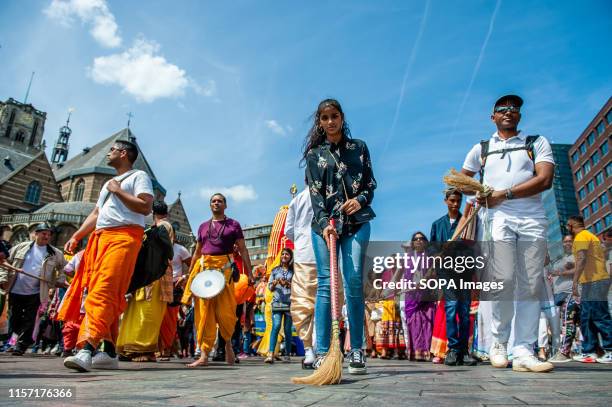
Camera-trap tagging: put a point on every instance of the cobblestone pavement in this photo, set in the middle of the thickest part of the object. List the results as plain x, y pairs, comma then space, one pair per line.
251, 383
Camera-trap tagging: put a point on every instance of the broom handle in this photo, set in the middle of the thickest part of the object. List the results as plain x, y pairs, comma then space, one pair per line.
333, 269
469, 220
8, 267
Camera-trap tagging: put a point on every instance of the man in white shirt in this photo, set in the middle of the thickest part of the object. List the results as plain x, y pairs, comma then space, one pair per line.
43, 265
518, 168
304, 283
117, 226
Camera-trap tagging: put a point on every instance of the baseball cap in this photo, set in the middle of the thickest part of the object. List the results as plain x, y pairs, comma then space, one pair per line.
514, 99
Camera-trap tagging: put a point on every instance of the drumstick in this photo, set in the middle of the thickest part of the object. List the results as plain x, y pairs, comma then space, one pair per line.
8, 267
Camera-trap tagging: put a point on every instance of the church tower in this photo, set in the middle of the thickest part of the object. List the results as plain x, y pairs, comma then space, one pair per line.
21, 126
60, 151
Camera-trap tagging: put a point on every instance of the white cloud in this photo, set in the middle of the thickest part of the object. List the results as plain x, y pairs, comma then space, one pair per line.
95, 13
277, 128
209, 89
141, 72
238, 193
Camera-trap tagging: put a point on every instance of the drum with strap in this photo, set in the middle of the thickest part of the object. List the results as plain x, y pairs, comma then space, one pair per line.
208, 283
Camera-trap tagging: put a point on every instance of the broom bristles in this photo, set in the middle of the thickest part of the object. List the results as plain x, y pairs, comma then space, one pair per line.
330, 371
465, 183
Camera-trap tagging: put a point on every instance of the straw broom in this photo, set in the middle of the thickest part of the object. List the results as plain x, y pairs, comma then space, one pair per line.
330, 371
467, 185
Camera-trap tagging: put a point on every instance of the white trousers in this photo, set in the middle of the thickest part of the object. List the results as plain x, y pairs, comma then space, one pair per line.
515, 250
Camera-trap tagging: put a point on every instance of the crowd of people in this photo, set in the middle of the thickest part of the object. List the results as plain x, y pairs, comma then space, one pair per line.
95, 306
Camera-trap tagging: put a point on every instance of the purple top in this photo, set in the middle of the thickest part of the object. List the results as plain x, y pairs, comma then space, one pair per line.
218, 237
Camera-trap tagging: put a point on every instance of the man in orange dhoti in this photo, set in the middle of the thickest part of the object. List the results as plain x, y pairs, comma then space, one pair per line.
116, 225
216, 239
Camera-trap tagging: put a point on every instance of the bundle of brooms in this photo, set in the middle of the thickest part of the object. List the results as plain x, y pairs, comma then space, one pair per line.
466, 185
330, 370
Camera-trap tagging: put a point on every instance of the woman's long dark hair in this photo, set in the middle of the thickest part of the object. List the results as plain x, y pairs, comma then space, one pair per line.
290, 252
415, 234
316, 135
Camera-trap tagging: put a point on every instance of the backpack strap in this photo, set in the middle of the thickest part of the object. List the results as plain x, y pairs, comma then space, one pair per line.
484, 153
528, 147
529, 142
119, 179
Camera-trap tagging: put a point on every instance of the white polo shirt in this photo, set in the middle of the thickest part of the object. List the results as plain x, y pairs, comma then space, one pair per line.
298, 227
513, 169
113, 212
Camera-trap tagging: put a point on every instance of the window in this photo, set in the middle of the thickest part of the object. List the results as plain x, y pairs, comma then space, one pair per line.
608, 220
33, 135
600, 128
609, 169
604, 199
599, 178
604, 148
575, 157
609, 117
7, 133
591, 138
582, 148
20, 136
586, 167
33, 193
595, 158
79, 190
598, 226
586, 213
594, 206
581, 194
590, 186
579, 173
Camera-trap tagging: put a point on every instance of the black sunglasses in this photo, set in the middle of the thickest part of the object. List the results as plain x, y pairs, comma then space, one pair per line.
504, 109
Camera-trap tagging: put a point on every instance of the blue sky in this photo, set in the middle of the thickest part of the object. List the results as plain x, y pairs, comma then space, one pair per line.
222, 92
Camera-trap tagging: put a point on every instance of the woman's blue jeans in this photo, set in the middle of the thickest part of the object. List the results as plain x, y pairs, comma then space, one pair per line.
277, 316
353, 249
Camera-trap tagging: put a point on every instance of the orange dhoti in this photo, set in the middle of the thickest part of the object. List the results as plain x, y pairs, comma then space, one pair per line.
107, 267
167, 332
220, 310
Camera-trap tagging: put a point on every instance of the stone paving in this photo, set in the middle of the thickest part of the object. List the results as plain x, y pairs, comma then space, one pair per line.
251, 383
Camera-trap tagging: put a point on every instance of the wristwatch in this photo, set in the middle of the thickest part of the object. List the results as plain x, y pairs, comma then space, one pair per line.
509, 194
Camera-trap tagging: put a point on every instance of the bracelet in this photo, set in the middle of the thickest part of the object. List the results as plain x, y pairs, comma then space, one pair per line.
509, 194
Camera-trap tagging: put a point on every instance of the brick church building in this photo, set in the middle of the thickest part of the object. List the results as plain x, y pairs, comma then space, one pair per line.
64, 191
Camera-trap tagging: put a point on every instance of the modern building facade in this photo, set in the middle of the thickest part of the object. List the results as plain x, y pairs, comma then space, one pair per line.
591, 165
559, 201
256, 239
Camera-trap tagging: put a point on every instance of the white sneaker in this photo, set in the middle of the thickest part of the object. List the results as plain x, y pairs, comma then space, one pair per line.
586, 358
309, 356
81, 361
103, 361
531, 364
498, 355
606, 358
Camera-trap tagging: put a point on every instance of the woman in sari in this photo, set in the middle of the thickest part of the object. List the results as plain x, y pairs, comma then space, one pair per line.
418, 309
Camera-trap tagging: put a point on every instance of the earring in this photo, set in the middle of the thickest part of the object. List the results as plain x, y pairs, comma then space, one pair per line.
320, 131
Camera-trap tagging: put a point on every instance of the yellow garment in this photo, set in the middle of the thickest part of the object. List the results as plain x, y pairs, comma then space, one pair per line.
139, 331
595, 267
220, 310
264, 344
389, 313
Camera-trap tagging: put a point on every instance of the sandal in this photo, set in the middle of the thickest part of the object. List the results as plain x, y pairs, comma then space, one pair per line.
144, 358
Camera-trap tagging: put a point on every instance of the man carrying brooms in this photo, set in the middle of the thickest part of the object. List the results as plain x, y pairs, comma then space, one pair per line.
518, 168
